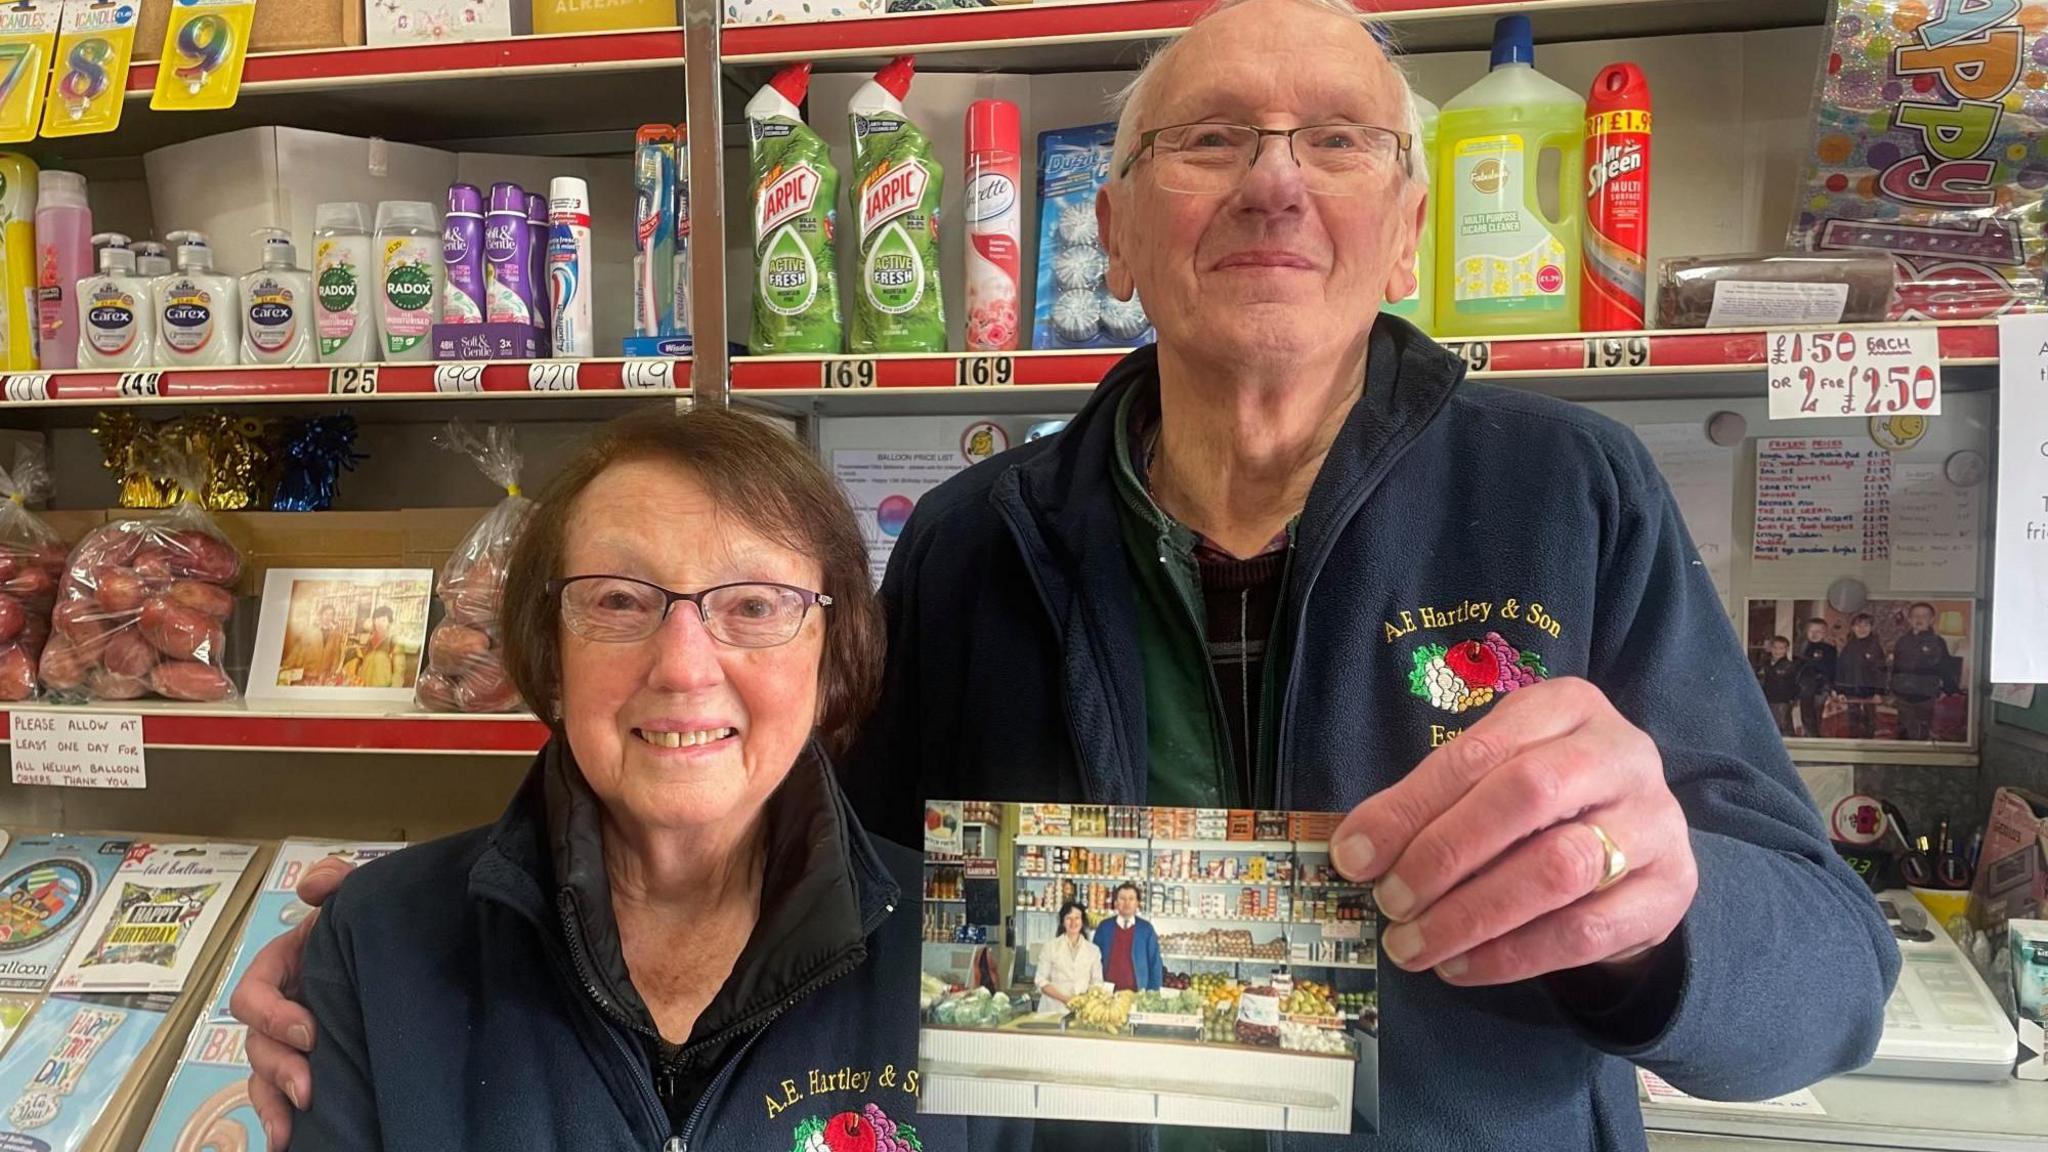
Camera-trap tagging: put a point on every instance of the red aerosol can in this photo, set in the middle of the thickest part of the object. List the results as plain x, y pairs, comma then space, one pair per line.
1617, 231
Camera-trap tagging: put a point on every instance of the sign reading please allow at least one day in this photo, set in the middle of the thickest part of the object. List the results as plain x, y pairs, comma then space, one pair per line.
77, 749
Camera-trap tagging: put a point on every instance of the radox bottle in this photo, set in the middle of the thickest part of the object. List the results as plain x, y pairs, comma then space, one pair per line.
897, 306
796, 293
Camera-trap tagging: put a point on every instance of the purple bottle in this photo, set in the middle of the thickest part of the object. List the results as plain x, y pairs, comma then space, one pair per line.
462, 249
537, 258
508, 255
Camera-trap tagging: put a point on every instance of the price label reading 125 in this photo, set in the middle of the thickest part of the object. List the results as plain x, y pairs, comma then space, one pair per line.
1868, 372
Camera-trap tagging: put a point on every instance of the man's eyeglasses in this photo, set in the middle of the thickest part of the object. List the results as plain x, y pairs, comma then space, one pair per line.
622, 610
1209, 159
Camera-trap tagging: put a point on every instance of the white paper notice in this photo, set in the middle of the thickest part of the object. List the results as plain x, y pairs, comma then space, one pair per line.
2014, 695
1934, 531
2019, 645
77, 749
1701, 475
1656, 1091
883, 488
1854, 372
1823, 507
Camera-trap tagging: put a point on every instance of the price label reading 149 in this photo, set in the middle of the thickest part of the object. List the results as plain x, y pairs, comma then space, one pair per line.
1867, 372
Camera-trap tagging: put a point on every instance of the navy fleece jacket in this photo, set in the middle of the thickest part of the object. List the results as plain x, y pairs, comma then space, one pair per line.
1444, 512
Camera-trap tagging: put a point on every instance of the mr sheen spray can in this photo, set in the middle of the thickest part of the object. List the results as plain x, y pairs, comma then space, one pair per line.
1617, 201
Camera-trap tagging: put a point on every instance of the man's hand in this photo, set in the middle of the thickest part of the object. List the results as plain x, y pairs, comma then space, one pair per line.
281, 1031
1485, 858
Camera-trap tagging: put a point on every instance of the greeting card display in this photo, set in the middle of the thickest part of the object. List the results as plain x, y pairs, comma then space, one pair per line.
48, 886
64, 1068
146, 933
278, 910
207, 1104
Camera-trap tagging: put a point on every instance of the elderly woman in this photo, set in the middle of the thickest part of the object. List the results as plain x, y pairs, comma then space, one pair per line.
677, 928
1070, 963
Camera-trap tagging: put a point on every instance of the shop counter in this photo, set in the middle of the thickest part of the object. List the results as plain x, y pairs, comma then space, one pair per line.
1871, 1112
1026, 1069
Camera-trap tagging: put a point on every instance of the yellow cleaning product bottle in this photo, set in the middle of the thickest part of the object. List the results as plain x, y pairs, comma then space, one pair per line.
18, 299
1505, 265
1419, 309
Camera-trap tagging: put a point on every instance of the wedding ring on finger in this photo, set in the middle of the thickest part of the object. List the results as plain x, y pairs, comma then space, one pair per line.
1614, 862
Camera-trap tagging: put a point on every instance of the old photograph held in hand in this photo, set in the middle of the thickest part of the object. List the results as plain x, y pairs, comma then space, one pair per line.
1205, 967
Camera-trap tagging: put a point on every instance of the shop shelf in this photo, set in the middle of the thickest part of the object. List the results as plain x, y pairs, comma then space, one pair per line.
1092, 36
377, 392
1238, 883
1106, 843
1132, 876
1720, 363
234, 728
639, 50
1227, 847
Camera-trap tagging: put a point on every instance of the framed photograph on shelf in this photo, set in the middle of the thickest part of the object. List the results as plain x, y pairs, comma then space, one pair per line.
340, 639
1896, 671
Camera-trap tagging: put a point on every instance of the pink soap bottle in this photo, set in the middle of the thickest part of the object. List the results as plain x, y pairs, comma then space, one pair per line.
63, 258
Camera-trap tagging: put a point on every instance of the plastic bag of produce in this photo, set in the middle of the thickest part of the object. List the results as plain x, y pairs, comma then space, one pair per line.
31, 564
144, 603
465, 662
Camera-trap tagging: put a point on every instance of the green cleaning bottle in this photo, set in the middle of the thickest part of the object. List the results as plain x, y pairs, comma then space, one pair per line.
795, 188
897, 306
1419, 309
1505, 266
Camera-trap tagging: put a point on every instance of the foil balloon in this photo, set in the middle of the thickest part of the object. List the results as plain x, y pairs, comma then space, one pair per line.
1930, 143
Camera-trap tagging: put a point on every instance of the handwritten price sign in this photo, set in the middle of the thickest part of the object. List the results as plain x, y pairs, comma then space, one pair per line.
1868, 372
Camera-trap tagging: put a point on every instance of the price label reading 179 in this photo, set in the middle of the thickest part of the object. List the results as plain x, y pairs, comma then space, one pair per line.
1868, 372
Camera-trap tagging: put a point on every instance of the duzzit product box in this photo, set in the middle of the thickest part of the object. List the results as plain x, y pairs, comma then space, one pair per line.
1075, 308
2027, 941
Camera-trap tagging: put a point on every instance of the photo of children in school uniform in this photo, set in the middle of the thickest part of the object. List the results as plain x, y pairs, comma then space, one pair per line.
1893, 670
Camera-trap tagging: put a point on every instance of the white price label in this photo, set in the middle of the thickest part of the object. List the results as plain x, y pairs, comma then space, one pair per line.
551, 376
847, 374
77, 749
985, 372
28, 387
137, 384
648, 375
1477, 354
1817, 375
459, 377
353, 380
1343, 930
1617, 351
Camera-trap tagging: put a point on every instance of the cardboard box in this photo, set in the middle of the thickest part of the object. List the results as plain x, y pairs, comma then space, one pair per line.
2012, 867
278, 27
408, 538
229, 185
437, 21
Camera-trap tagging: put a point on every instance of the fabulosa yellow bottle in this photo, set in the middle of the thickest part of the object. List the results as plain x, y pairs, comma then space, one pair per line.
18, 312
1504, 265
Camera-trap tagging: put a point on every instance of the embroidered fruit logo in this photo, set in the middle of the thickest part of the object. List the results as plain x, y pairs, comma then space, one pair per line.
1470, 674
868, 1130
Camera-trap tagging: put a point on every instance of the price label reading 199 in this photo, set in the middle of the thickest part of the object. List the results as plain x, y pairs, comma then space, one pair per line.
1871, 372
847, 374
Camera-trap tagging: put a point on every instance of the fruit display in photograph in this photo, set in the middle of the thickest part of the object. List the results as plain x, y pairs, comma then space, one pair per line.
1099, 1011
1309, 999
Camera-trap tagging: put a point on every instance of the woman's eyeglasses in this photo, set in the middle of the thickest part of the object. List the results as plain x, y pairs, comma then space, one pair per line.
622, 610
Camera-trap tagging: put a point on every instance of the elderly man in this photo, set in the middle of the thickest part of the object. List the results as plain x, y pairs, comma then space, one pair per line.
1288, 559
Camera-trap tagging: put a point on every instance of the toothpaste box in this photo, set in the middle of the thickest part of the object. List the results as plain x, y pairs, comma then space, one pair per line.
1075, 309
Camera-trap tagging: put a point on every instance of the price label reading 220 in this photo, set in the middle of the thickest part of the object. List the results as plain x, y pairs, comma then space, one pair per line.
1871, 372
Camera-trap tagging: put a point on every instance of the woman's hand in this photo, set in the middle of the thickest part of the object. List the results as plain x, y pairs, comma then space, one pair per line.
281, 1031
1053, 994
